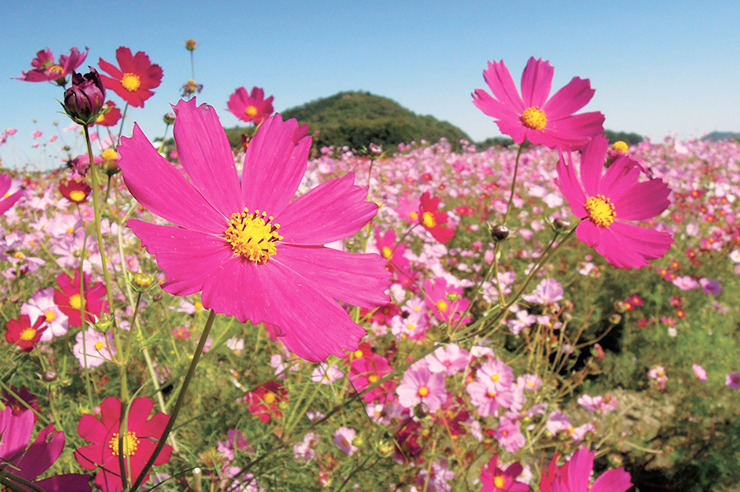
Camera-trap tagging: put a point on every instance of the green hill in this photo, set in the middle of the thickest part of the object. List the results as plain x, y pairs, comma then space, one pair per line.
357, 119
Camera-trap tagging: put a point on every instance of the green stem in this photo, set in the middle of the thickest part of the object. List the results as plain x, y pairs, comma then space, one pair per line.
179, 402
513, 183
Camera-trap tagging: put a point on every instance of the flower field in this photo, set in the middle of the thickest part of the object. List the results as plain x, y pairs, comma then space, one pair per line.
559, 315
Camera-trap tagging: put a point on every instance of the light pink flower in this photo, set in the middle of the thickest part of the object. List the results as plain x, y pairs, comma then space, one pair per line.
733, 380
699, 372
343, 438
421, 386
449, 359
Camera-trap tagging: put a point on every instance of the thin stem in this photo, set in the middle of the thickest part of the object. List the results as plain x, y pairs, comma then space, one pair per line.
513, 183
179, 402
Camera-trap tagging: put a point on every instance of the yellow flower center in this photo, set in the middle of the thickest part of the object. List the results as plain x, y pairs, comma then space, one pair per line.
251, 111
358, 353
372, 378
414, 215
495, 378
77, 195
534, 118
387, 253
428, 219
600, 210
410, 327
442, 306
270, 397
99, 345
130, 444
50, 316
620, 147
28, 334
499, 481
75, 301
110, 155
491, 394
252, 236
70, 230
19, 255
56, 69
423, 391
198, 306
131, 82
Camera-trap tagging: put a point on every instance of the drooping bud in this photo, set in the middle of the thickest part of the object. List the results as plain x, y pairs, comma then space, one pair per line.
84, 102
50, 375
561, 224
499, 232
374, 150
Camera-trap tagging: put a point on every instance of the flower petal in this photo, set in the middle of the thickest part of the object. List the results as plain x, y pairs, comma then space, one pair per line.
206, 156
274, 165
358, 279
336, 209
43, 453
170, 196
569, 99
592, 164
571, 188
186, 257
536, 83
614, 480
499, 79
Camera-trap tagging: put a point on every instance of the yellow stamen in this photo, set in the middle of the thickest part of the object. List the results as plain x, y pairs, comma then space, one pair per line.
372, 378
77, 195
28, 334
56, 69
252, 236
198, 306
270, 397
130, 444
534, 118
75, 301
50, 316
99, 345
442, 306
387, 253
428, 219
251, 111
495, 378
499, 481
620, 146
131, 82
414, 215
423, 391
600, 210
109, 155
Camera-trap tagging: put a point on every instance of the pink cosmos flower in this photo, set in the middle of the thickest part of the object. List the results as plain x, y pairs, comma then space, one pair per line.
142, 433
487, 399
28, 462
547, 291
67, 297
445, 300
658, 374
45, 69
250, 106
24, 333
366, 371
535, 116
421, 386
8, 196
605, 200
509, 436
343, 438
495, 479
699, 372
134, 79
497, 374
575, 475
448, 359
93, 348
253, 252
433, 219
733, 380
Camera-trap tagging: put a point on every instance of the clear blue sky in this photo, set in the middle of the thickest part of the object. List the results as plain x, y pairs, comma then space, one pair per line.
658, 67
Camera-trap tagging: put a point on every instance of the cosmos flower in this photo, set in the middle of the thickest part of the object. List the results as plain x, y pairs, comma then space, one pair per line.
8, 197
433, 219
142, 434
575, 475
250, 106
75, 190
28, 462
604, 200
535, 116
419, 385
45, 69
134, 79
111, 116
253, 252
732, 380
495, 479
24, 333
67, 297
343, 438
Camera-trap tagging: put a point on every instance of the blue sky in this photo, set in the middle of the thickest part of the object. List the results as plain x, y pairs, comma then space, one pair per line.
658, 67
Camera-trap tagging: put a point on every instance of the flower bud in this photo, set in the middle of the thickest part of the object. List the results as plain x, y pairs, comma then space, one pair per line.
50, 375
560, 224
190, 44
85, 100
615, 318
374, 150
103, 326
384, 448
169, 118
142, 281
499, 232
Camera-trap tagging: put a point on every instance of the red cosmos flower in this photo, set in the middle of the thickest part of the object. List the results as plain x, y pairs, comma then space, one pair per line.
434, 220
535, 116
24, 334
111, 117
142, 434
264, 402
69, 300
494, 479
75, 190
250, 106
366, 371
46, 70
134, 79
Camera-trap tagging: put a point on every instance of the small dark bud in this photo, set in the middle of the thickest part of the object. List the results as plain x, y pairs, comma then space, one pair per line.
85, 100
615, 318
169, 118
499, 232
157, 297
50, 375
561, 224
374, 150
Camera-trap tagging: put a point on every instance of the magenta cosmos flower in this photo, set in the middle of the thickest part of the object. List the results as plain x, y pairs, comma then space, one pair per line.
535, 116
604, 200
45, 69
495, 479
253, 252
575, 476
250, 106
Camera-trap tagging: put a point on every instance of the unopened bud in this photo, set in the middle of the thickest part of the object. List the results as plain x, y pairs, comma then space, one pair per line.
103, 326
560, 224
190, 44
499, 232
169, 118
615, 318
374, 150
384, 448
358, 441
50, 375
85, 100
141, 281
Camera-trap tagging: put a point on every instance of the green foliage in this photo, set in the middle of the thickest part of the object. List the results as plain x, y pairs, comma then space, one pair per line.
630, 138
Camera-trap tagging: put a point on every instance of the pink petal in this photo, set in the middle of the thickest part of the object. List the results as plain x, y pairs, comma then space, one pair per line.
110, 412
43, 453
186, 257
206, 156
357, 279
170, 196
628, 245
580, 466
492, 107
536, 83
575, 131
644, 201
16, 432
615, 480
91, 429
77, 482
334, 210
569, 99
274, 165
592, 164
139, 412
499, 79
516, 130
571, 188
